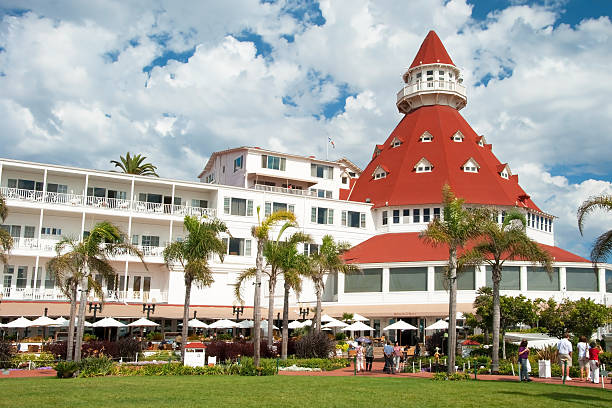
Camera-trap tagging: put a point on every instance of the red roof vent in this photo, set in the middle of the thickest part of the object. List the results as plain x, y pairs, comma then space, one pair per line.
432, 51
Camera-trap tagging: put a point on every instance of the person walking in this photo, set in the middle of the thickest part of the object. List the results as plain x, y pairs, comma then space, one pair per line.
369, 356
388, 352
594, 362
359, 356
523, 358
397, 356
565, 356
583, 358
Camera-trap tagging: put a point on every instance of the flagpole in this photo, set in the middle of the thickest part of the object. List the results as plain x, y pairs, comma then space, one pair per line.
327, 149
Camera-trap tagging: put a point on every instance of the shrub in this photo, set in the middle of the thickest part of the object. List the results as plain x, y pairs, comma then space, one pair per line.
7, 351
317, 345
127, 348
340, 336
224, 336
606, 358
40, 360
96, 366
155, 336
225, 351
66, 369
57, 349
452, 377
325, 364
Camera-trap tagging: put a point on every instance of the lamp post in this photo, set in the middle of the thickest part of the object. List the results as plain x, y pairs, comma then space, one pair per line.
148, 308
94, 307
237, 310
304, 312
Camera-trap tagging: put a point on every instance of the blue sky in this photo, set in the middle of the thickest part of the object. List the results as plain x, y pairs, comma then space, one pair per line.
177, 82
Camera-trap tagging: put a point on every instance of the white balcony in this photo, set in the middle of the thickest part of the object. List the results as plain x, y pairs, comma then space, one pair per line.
34, 244
114, 204
275, 189
55, 294
438, 92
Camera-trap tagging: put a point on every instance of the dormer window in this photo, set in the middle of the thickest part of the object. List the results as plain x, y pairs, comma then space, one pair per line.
470, 166
426, 137
458, 137
423, 166
482, 141
504, 171
396, 142
380, 172
377, 151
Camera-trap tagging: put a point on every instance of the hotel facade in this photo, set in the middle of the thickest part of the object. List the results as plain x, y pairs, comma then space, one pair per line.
379, 210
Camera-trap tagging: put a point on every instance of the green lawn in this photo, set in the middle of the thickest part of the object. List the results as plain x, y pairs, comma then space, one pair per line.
285, 391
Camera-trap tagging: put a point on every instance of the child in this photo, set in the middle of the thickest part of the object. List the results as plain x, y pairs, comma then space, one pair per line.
594, 362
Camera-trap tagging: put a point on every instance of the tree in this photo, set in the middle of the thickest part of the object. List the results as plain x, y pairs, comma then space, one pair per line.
135, 165
602, 247
261, 233
78, 261
6, 241
458, 226
192, 254
499, 243
581, 317
327, 261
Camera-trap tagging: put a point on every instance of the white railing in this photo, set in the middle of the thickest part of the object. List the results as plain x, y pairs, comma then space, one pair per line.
147, 207
182, 210
32, 294
63, 198
425, 86
109, 295
21, 194
136, 296
112, 203
35, 244
275, 189
151, 250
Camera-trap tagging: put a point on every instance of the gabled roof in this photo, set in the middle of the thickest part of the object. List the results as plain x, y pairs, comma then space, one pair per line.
423, 161
381, 167
432, 51
471, 159
408, 247
403, 186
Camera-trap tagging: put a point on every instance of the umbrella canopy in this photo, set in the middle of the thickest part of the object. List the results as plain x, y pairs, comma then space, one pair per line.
439, 325
359, 318
307, 323
66, 323
295, 324
108, 322
460, 316
197, 324
20, 323
327, 318
142, 322
245, 324
223, 324
363, 340
264, 325
334, 324
43, 321
400, 325
60, 321
357, 326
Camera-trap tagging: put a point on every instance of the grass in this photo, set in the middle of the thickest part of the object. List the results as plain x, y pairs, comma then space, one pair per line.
283, 391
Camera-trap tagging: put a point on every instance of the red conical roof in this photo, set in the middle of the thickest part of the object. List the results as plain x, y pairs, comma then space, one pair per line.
432, 51
404, 186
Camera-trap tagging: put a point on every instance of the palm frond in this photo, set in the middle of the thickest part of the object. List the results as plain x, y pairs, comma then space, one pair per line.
242, 277
602, 247
6, 244
3, 209
601, 202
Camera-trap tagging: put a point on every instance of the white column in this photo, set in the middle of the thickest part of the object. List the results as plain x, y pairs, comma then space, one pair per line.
45, 184
481, 276
0, 173
40, 224
430, 278
85, 188
601, 280
340, 286
82, 226
35, 273
562, 280
125, 280
172, 205
170, 237
132, 190
385, 280
523, 279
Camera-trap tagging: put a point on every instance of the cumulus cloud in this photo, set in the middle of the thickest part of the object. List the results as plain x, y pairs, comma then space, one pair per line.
176, 81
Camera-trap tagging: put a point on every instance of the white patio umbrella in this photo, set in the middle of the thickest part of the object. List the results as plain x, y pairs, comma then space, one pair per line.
359, 318
197, 324
264, 325
333, 324
400, 325
327, 318
223, 324
66, 323
245, 324
108, 322
60, 321
142, 322
439, 325
43, 321
296, 324
20, 323
357, 326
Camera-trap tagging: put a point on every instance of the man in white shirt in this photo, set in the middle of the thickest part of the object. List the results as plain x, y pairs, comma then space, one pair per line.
565, 355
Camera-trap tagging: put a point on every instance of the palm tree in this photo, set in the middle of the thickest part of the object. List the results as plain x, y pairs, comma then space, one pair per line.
327, 261
135, 165
602, 247
192, 254
77, 262
458, 226
500, 243
273, 273
261, 233
6, 241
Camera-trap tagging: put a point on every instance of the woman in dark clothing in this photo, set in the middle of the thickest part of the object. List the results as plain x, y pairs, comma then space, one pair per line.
523, 358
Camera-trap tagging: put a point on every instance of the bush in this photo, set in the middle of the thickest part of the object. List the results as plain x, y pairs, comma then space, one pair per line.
224, 336
7, 351
340, 336
96, 366
155, 336
66, 369
606, 358
325, 364
40, 360
225, 351
452, 377
317, 345
58, 349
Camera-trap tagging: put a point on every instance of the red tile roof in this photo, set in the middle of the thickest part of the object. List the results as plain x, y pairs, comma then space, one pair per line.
403, 186
432, 51
408, 247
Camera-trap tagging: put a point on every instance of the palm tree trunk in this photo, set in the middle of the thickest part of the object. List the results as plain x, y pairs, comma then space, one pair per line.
496, 316
257, 303
185, 316
81, 323
504, 344
73, 308
318, 309
452, 310
271, 289
285, 322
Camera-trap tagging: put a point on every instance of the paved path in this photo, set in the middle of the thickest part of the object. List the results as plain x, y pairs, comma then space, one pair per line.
49, 372
377, 371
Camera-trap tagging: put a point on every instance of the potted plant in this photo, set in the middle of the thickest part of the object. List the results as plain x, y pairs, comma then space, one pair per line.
545, 356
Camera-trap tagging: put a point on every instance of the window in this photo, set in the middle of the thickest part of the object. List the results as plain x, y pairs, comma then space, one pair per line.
99, 192
57, 188
321, 171
238, 163
22, 277
321, 193
238, 246
426, 214
49, 280
28, 231
237, 206
380, 173
581, 279
396, 142
344, 180
150, 198
136, 283
470, 166
7, 281
311, 249
407, 279
210, 178
38, 278
441, 75
416, 215
538, 279
25, 184
511, 278
396, 216
270, 207
423, 166
406, 215
458, 137
199, 203
465, 280
13, 230
370, 280
150, 240
320, 215
385, 218
51, 231
430, 78
504, 174
426, 137
273, 162
436, 213
353, 219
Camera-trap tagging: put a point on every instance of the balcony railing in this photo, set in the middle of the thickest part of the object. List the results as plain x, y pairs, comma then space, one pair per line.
35, 244
275, 189
116, 204
109, 295
424, 86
